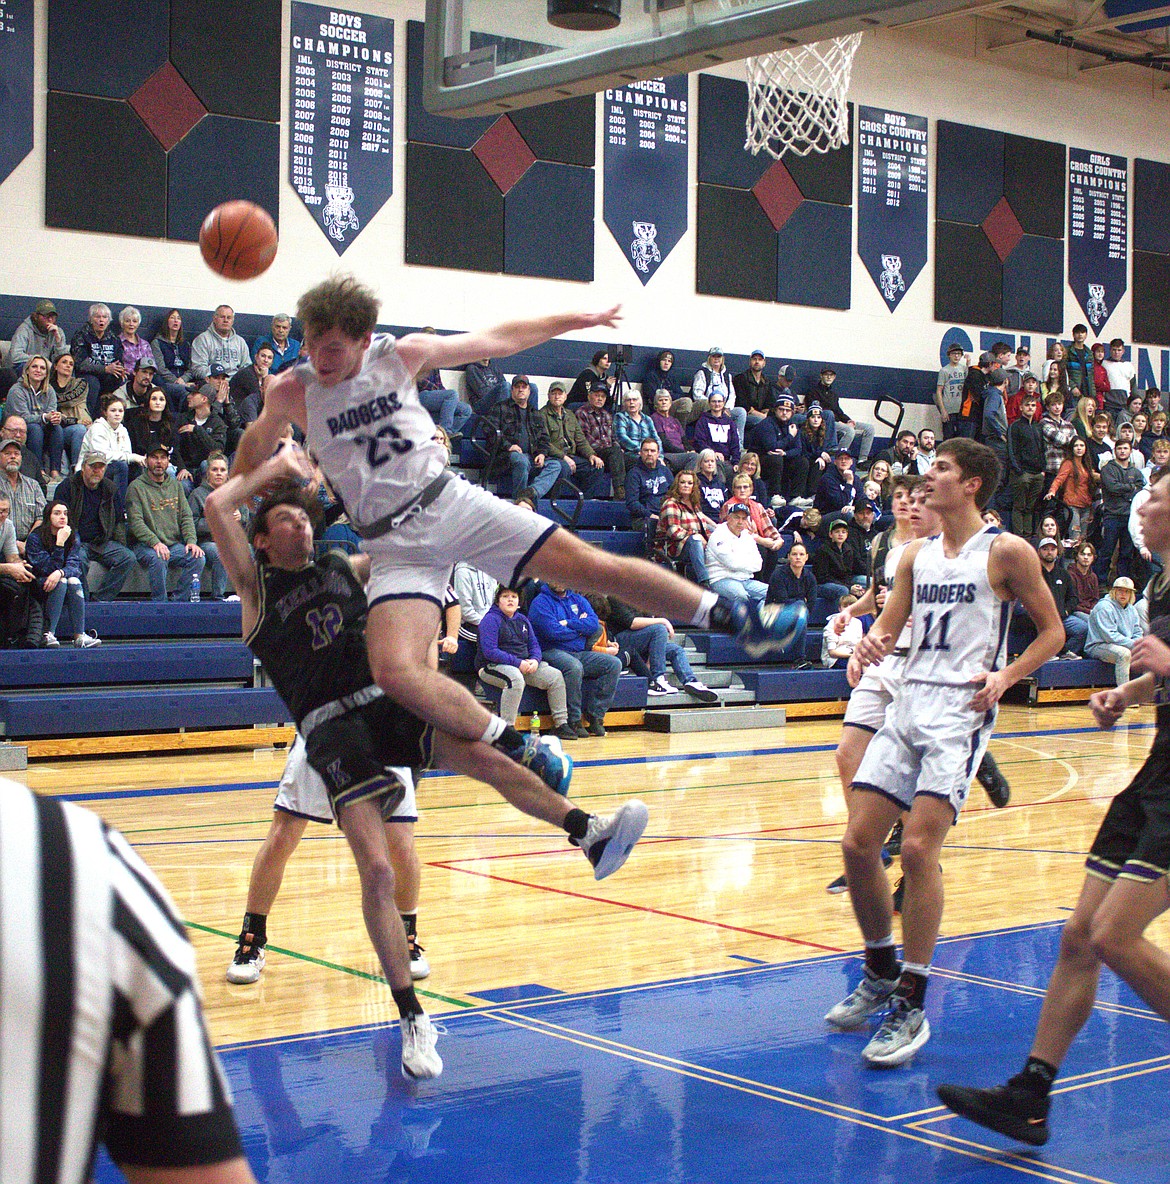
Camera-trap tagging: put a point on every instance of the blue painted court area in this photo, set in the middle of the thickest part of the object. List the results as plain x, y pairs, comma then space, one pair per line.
731, 1077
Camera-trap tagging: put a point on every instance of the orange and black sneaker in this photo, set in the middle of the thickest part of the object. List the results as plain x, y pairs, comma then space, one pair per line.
1017, 1113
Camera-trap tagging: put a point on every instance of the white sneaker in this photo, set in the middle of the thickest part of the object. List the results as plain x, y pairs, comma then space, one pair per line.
610, 839
246, 966
420, 1061
659, 686
51, 643
869, 996
419, 966
86, 641
778, 502
903, 1032
697, 690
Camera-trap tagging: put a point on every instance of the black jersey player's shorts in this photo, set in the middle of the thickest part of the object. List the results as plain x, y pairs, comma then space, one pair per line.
352, 752
1133, 842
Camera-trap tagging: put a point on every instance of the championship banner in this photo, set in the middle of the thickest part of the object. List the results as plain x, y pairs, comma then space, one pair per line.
892, 226
341, 115
16, 83
1098, 243
646, 132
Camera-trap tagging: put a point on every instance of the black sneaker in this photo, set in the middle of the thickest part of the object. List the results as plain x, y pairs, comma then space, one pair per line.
580, 728
839, 885
994, 783
566, 732
595, 727
899, 894
1013, 1112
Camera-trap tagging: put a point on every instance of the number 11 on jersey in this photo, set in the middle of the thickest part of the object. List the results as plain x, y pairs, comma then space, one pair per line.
944, 622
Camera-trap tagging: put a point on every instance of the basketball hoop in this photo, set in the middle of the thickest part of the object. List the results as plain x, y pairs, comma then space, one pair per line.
796, 98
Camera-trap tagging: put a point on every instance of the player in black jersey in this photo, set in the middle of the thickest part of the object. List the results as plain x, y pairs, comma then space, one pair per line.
1125, 887
305, 620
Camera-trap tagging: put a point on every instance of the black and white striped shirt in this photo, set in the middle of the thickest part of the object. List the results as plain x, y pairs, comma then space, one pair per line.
101, 1028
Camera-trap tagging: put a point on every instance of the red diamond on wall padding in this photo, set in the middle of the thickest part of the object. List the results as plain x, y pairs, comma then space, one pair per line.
778, 195
1003, 229
502, 151
167, 105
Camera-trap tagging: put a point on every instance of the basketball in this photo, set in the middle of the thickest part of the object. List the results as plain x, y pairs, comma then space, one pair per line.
238, 240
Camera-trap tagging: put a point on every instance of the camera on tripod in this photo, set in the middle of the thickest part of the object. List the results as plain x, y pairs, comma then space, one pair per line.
620, 357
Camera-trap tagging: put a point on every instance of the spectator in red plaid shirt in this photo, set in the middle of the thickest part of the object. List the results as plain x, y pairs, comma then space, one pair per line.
683, 528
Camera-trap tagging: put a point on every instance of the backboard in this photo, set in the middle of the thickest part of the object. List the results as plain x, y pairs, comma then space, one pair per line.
487, 56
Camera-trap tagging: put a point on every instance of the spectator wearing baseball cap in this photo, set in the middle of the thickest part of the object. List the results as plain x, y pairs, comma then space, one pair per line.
1064, 594
1114, 628
837, 488
948, 392
567, 443
753, 390
38, 334
161, 527
92, 500
733, 557
776, 439
139, 383
712, 378
849, 430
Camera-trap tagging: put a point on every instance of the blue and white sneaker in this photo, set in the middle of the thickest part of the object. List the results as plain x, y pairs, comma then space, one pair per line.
902, 1033
549, 762
764, 629
610, 838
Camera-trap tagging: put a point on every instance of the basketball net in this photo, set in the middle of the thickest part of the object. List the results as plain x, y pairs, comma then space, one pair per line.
796, 97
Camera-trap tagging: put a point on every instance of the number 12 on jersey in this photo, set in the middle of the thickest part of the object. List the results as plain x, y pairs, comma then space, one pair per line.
940, 643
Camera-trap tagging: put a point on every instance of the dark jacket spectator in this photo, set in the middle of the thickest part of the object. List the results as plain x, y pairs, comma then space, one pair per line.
509, 423
1026, 451
93, 353
753, 392
712, 492
565, 437
658, 379
145, 432
72, 491
205, 437
44, 559
837, 563
645, 488
836, 490
486, 384
1086, 587
1062, 588
1119, 483
785, 585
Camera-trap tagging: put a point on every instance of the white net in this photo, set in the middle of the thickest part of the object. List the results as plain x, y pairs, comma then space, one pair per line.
796, 98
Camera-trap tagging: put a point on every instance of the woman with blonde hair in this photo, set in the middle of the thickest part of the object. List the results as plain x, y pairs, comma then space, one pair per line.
34, 399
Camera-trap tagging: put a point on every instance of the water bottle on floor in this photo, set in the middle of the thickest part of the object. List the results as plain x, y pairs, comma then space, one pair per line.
195, 589
534, 724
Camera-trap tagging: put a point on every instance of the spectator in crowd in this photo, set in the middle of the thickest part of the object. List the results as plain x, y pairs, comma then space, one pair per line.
991, 518
837, 566
518, 430
792, 581
161, 529
683, 528
1115, 627
753, 391
651, 640
565, 625
92, 501
776, 439
902, 455
733, 558
712, 487
816, 447
1055, 369
662, 376
1078, 365
926, 450
37, 335
217, 388
55, 557
863, 529
15, 428
138, 384
948, 392
172, 360
1139, 422
760, 524
1154, 401
108, 435
848, 429
201, 432
1057, 432
597, 370
20, 616
631, 426
1075, 487
1017, 372
251, 381
880, 475
219, 342
218, 586
152, 424
134, 346
1084, 580
646, 484
73, 404
597, 427
969, 420
710, 377
285, 348
97, 349
509, 657
838, 487
1120, 480
35, 401
1100, 375
1134, 403
567, 443
1083, 415
1159, 457
785, 377
487, 386
715, 429
1121, 375
25, 496
1157, 428
1029, 388
675, 453
476, 593
1064, 593
1099, 446
445, 406
995, 424
1027, 467
842, 634
749, 466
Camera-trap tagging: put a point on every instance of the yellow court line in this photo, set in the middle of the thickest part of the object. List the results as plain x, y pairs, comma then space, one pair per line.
821, 1107
950, 1142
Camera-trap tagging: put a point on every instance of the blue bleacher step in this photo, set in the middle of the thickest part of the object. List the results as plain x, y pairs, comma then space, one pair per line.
1085, 672
595, 515
108, 664
786, 685
163, 618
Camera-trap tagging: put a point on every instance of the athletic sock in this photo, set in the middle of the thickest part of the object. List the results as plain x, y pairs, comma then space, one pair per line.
881, 958
410, 923
407, 1001
912, 984
576, 823
1036, 1077
510, 742
702, 617
495, 729
254, 930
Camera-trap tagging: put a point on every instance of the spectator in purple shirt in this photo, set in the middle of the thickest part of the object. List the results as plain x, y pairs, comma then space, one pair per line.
715, 429
674, 452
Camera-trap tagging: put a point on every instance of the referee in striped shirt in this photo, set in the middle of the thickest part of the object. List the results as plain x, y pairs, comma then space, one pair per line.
102, 1036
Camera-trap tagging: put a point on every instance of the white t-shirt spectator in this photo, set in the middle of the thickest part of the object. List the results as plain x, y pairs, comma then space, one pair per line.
732, 557
1122, 375
951, 379
838, 642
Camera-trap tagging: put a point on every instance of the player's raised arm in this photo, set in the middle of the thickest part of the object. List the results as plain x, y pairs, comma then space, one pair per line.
420, 351
284, 403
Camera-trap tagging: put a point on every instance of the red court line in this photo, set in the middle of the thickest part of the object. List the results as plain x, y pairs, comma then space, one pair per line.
450, 865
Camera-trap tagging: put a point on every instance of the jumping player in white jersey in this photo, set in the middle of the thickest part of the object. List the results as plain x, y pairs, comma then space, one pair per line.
357, 402
866, 710
959, 585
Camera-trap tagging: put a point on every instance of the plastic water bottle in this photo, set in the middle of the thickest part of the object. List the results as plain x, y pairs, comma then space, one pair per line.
534, 723
195, 588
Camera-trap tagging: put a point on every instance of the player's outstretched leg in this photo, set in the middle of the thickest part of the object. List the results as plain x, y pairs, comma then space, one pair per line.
995, 784
605, 839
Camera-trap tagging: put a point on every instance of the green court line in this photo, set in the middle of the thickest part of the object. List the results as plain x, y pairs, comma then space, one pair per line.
373, 978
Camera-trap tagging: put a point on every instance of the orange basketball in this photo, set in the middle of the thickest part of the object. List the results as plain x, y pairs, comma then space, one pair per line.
238, 240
